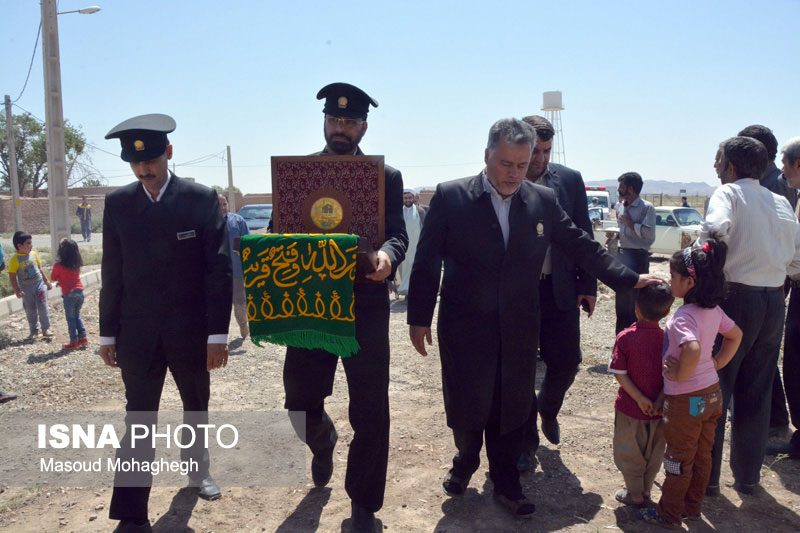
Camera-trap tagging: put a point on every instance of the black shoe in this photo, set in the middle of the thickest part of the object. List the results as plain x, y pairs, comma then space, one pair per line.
133, 526
744, 488
551, 430
454, 485
322, 463
520, 507
526, 461
208, 489
777, 448
778, 432
363, 521
7, 396
794, 445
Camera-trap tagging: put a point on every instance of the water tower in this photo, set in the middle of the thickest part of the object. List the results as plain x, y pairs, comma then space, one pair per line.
552, 107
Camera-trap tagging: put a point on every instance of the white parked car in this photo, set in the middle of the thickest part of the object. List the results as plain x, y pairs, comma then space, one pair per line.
676, 228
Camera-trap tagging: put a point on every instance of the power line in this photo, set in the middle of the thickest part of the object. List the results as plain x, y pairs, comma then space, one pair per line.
33, 55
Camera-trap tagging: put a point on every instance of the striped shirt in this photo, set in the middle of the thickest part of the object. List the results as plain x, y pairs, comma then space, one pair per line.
760, 229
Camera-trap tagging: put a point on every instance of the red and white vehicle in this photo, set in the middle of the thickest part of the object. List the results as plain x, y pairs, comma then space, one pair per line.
599, 202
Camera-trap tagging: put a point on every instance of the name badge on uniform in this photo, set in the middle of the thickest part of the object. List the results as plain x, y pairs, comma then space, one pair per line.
183, 235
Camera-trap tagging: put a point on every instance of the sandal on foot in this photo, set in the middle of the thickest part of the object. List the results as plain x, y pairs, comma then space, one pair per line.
651, 516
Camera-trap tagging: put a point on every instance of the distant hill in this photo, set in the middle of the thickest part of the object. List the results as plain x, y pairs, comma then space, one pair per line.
672, 188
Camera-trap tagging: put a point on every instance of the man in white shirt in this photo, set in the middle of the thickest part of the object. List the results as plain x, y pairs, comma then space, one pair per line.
637, 233
763, 238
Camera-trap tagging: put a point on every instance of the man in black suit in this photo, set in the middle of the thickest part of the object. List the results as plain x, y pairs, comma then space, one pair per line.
308, 374
491, 232
563, 288
165, 300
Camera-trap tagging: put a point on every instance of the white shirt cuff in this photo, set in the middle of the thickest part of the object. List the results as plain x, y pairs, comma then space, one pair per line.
218, 339
212, 339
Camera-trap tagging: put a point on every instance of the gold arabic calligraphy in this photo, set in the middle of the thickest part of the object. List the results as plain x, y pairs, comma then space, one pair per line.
289, 267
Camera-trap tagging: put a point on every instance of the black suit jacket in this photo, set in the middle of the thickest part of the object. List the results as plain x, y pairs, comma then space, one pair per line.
166, 274
489, 308
569, 280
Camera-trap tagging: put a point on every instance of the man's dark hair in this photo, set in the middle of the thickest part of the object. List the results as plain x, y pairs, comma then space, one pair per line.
19, 238
512, 131
655, 301
633, 180
747, 155
544, 129
763, 134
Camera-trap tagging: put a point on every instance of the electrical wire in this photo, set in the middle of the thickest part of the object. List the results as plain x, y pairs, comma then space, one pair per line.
33, 55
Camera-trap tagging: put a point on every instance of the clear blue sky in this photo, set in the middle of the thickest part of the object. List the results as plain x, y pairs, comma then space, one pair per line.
648, 86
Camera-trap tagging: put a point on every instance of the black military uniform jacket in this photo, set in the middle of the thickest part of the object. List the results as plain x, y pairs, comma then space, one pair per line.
166, 274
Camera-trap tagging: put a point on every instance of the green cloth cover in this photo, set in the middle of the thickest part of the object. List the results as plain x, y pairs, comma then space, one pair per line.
299, 290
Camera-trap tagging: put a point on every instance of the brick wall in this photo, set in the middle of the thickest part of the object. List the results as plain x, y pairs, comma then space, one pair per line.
36, 212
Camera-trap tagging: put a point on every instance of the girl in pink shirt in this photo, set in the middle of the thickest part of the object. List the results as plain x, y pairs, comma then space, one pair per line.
692, 398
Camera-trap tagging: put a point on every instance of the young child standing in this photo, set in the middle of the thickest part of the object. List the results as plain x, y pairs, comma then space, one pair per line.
693, 401
30, 283
67, 274
636, 364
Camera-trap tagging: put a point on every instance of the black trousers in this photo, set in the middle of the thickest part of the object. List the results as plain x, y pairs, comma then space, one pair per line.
308, 379
791, 357
625, 299
560, 348
143, 396
502, 450
747, 381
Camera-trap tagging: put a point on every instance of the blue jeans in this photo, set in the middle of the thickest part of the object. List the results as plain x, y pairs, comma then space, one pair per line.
625, 301
86, 229
72, 308
34, 301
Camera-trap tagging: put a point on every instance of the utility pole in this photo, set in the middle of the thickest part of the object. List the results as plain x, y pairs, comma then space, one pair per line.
12, 166
231, 194
54, 117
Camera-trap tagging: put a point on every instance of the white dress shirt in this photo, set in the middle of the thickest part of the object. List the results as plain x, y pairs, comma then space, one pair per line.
502, 206
760, 229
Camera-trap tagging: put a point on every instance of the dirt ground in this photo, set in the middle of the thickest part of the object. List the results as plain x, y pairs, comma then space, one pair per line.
573, 487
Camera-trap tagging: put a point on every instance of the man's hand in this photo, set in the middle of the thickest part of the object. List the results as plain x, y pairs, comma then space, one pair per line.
591, 301
217, 356
420, 334
19, 294
383, 267
647, 279
625, 220
108, 353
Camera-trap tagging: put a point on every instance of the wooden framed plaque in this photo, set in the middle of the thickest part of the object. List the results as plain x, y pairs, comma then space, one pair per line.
329, 194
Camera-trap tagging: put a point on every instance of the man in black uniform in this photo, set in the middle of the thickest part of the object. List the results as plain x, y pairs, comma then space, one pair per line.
308, 374
563, 287
165, 300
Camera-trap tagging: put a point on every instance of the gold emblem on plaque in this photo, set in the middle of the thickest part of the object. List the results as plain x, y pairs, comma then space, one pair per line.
326, 213
138, 145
